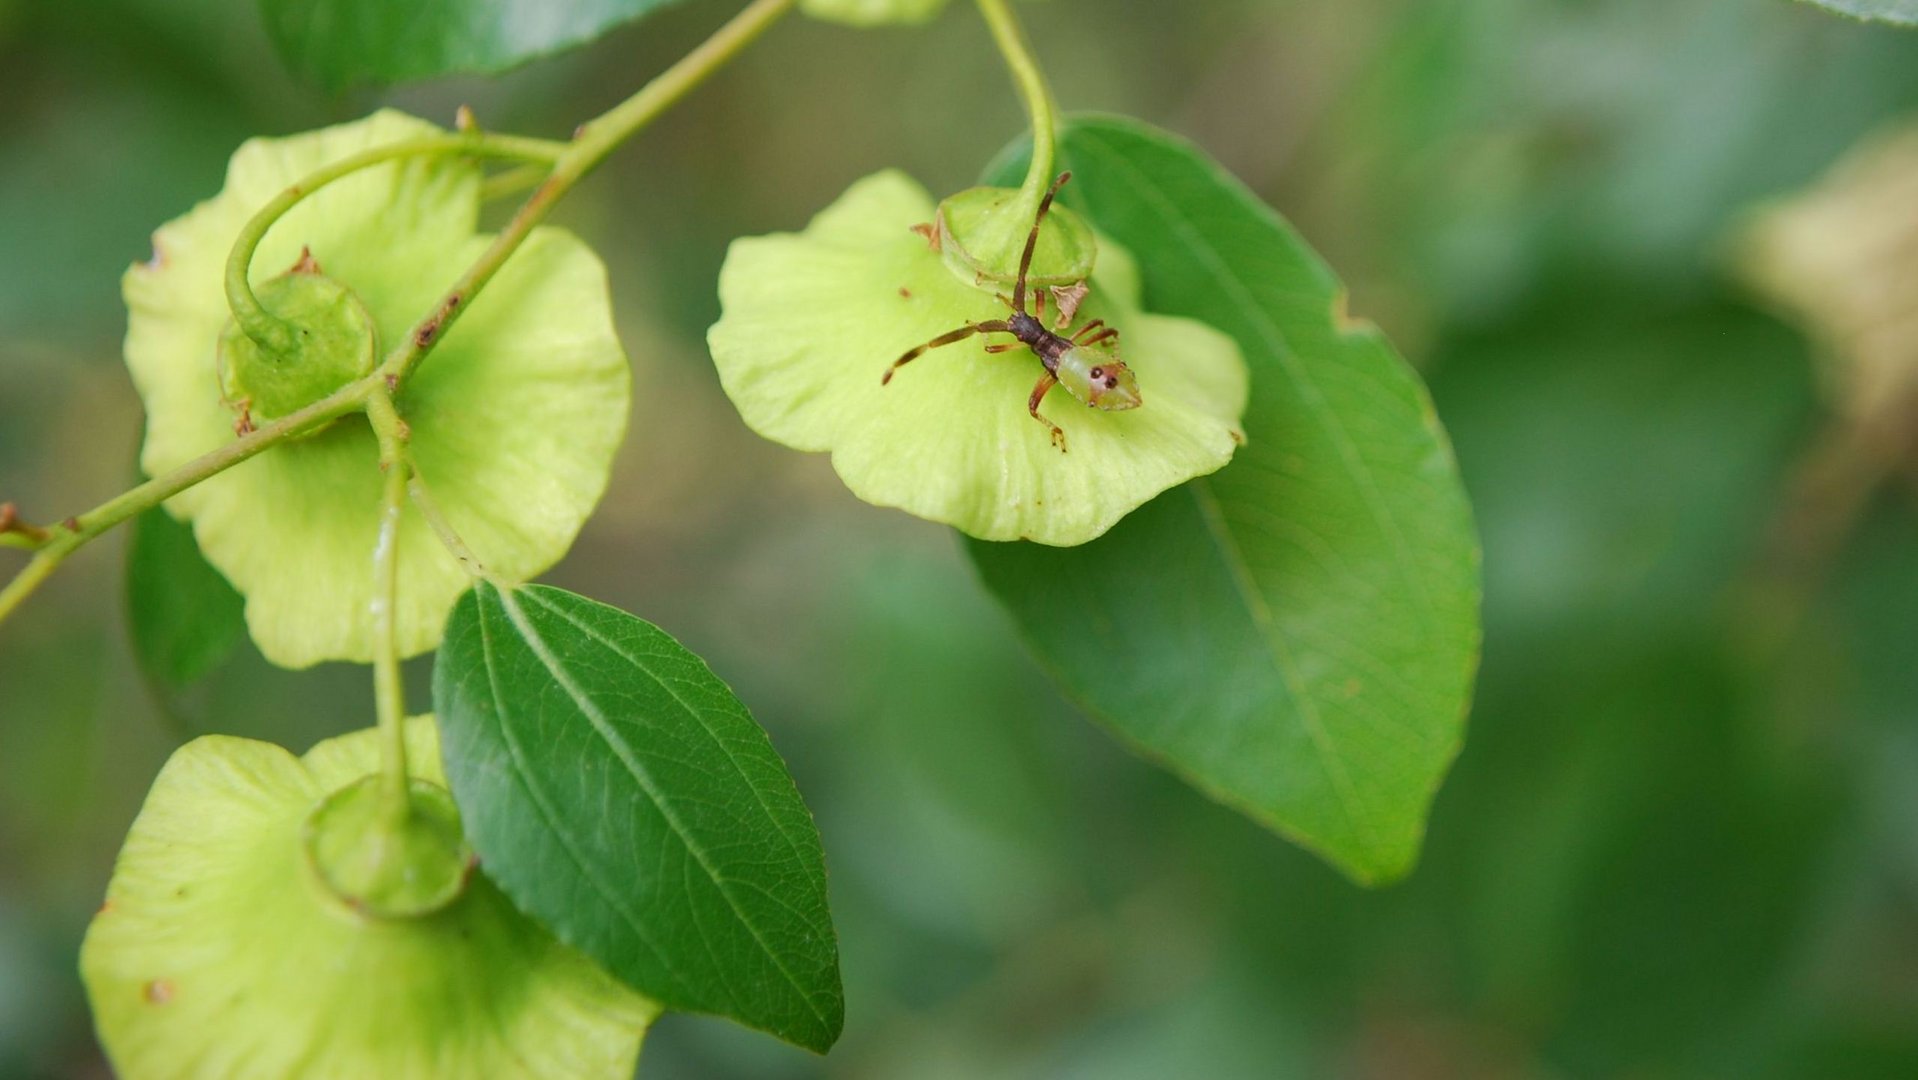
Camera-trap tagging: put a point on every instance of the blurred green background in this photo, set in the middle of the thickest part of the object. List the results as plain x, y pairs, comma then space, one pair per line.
1683, 837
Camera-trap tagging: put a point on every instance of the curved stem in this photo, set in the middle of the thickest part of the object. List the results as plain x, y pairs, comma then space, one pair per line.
591, 144
570, 162
275, 333
1040, 109
389, 692
76, 531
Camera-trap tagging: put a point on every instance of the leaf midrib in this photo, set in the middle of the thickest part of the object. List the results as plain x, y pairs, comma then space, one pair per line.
524, 775
643, 777
1224, 542
1241, 297
732, 759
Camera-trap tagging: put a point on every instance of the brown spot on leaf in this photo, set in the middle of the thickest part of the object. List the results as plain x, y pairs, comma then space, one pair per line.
158, 992
929, 232
905, 292
306, 264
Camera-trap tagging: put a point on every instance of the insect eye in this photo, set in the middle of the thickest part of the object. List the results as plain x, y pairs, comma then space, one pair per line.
1098, 373
1112, 382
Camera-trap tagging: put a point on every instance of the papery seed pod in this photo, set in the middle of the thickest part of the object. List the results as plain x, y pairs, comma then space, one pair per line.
514, 418
222, 954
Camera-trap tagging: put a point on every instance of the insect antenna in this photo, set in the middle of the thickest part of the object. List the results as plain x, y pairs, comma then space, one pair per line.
1032, 243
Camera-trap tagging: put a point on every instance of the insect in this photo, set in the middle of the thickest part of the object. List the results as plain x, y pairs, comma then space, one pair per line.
1080, 360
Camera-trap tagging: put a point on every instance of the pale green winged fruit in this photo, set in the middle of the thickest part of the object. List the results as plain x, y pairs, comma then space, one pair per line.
514, 417
811, 321
872, 12
221, 954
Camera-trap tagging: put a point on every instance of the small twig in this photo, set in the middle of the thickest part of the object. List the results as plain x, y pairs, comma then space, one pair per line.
591, 144
436, 520
17, 533
75, 532
512, 181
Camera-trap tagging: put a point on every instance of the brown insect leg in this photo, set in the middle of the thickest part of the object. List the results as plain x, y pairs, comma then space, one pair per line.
1007, 347
961, 334
1039, 305
1032, 242
1046, 382
1086, 329
1108, 332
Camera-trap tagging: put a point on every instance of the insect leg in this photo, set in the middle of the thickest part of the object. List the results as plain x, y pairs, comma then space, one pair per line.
1102, 335
995, 326
1046, 382
1086, 329
1032, 242
1039, 304
1007, 347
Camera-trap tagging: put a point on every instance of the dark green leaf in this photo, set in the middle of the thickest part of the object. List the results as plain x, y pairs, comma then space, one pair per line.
1903, 12
1296, 635
621, 794
343, 42
183, 616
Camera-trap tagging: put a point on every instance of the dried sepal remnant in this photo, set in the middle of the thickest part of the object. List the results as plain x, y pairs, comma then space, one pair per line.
513, 420
219, 953
811, 319
1066, 300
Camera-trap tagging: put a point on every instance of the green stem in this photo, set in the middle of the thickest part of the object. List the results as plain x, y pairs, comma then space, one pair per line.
442, 527
389, 692
512, 181
75, 532
570, 162
275, 333
1011, 39
591, 144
